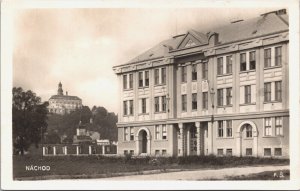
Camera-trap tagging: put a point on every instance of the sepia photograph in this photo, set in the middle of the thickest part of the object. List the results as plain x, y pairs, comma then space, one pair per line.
197, 93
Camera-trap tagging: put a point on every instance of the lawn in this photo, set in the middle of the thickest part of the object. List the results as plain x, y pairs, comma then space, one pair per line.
95, 165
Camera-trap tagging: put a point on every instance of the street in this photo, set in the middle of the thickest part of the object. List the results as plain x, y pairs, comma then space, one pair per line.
201, 174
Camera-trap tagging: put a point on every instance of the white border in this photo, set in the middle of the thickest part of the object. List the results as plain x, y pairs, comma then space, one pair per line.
9, 6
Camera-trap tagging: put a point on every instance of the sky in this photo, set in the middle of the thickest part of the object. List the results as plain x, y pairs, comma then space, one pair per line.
79, 47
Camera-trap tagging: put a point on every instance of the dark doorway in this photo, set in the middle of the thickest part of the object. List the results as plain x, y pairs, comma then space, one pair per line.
144, 141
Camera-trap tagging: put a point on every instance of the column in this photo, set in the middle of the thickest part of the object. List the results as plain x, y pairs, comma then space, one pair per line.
210, 137
103, 149
77, 150
197, 124
54, 150
66, 150
238, 144
44, 151
255, 144
90, 149
188, 142
181, 139
170, 128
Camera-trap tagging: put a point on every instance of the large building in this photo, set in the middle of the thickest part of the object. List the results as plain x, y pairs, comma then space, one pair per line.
221, 92
61, 104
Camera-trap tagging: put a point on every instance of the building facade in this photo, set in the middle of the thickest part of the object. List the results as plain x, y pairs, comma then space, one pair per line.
61, 104
223, 92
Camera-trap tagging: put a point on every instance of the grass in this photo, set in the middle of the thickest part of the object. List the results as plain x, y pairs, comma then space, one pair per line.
93, 165
267, 175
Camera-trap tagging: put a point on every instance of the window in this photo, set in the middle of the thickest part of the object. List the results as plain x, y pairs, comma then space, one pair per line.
146, 78
156, 76
183, 100
164, 152
228, 152
267, 92
157, 152
268, 127
204, 70
131, 107
248, 94
228, 64
220, 97
228, 96
194, 101
124, 82
143, 105
278, 91
140, 79
220, 66
243, 63
130, 81
267, 152
220, 152
131, 134
164, 132
278, 56
252, 60
157, 132
125, 152
204, 100
229, 128
131, 152
220, 128
156, 104
164, 103
126, 133
163, 76
278, 126
267, 57
194, 72
278, 152
183, 74
248, 151
125, 107
248, 130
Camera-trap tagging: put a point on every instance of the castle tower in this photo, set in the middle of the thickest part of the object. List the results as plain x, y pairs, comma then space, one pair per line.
60, 90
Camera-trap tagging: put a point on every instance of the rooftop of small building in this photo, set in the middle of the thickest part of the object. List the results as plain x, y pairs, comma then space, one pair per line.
265, 24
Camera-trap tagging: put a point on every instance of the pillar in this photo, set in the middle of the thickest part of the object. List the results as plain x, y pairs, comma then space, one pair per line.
54, 150
77, 150
181, 139
255, 143
197, 124
210, 137
188, 142
90, 149
238, 144
103, 149
44, 151
66, 150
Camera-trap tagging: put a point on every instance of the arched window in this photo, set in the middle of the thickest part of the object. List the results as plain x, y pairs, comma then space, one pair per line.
248, 130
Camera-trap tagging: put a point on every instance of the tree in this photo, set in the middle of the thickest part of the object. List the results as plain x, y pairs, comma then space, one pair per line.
29, 119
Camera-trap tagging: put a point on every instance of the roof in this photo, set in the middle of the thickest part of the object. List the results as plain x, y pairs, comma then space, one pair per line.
65, 97
252, 28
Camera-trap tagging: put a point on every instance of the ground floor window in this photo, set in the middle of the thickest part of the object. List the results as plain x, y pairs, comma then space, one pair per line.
248, 151
228, 152
157, 152
267, 152
131, 152
278, 152
164, 152
220, 152
125, 152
